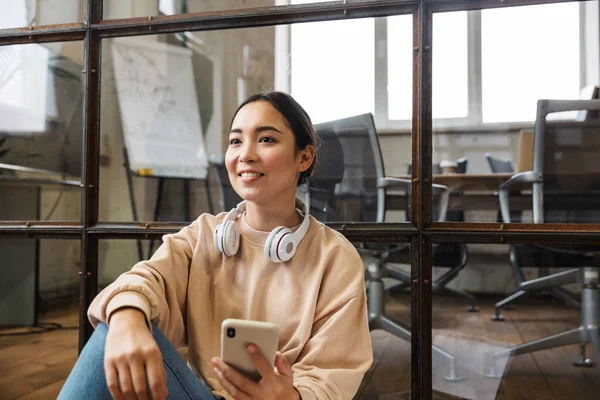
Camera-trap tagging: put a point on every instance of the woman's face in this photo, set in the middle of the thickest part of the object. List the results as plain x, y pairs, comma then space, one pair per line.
261, 158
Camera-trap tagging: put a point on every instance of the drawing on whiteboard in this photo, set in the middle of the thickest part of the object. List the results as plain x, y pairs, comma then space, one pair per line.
159, 109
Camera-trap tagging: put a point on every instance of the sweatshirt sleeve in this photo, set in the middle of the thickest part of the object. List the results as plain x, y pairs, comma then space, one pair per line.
333, 362
157, 287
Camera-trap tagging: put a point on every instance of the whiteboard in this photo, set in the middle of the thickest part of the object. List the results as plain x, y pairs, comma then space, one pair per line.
159, 109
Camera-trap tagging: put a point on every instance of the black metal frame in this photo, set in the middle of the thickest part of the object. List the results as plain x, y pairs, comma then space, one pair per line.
421, 233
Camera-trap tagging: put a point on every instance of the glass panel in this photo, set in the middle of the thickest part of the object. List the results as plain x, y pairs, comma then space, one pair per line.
39, 315
387, 275
145, 8
571, 173
450, 98
170, 108
41, 125
472, 166
484, 344
475, 156
25, 13
389, 373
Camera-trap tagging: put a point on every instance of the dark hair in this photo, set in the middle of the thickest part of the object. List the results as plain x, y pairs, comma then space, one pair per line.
298, 120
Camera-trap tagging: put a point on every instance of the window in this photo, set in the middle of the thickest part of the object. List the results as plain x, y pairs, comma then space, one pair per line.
332, 68
542, 62
16, 14
489, 66
167, 7
450, 70
23, 88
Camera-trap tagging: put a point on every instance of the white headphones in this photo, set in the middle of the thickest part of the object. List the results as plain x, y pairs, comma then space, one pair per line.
281, 243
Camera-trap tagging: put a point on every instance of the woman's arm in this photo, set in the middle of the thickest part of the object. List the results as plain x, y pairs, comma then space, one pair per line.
157, 287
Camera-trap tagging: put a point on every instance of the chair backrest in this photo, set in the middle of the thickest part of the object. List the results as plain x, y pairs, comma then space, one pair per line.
566, 161
461, 165
361, 166
525, 151
498, 165
228, 198
461, 168
328, 173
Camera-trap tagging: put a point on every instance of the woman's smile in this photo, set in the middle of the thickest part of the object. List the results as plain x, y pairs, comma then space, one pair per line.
250, 176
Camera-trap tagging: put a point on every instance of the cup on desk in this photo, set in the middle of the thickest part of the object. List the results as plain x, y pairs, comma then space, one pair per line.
448, 167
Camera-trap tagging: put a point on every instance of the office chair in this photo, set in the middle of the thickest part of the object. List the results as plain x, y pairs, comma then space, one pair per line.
498, 165
328, 173
461, 165
356, 185
565, 182
532, 257
445, 255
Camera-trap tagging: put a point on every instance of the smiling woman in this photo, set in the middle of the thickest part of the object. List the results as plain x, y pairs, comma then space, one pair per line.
271, 151
266, 260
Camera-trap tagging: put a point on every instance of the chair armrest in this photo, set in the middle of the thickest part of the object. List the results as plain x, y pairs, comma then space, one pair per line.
516, 180
386, 182
438, 189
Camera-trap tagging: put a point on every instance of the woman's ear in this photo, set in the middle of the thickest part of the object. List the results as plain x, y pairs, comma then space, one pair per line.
306, 157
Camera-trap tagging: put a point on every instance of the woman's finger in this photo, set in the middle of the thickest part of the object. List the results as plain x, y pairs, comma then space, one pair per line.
157, 378
240, 381
283, 365
112, 381
260, 362
125, 382
233, 390
138, 378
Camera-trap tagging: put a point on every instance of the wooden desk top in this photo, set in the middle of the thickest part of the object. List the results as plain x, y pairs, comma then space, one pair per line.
470, 182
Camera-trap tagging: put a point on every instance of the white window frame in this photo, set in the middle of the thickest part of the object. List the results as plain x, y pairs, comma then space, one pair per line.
589, 70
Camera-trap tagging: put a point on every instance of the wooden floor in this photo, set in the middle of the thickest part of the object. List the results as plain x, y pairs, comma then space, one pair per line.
35, 366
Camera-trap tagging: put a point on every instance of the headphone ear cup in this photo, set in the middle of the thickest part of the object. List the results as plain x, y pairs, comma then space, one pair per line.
277, 246
217, 237
229, 238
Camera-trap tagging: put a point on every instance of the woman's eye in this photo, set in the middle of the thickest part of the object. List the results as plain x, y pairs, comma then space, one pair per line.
267, 139
234, 141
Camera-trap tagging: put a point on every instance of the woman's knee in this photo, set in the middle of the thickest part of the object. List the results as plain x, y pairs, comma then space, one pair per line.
87, 378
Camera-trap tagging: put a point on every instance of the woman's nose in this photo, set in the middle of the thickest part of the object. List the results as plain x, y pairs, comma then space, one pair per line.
248, 153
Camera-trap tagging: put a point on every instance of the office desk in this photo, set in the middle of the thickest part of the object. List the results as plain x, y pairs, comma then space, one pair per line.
485, 183
468, 182
467, 192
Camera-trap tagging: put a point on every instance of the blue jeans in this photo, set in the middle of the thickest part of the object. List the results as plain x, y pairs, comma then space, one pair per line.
88, 381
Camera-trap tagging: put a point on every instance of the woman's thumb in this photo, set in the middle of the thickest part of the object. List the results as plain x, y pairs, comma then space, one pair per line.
282, 365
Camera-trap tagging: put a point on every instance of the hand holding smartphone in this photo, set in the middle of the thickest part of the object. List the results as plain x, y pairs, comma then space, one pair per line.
237, 334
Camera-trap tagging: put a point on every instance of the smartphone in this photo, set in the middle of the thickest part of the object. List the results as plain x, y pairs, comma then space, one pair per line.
237, 334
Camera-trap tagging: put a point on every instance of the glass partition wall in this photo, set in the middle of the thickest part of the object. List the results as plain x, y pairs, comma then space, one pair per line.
276, 46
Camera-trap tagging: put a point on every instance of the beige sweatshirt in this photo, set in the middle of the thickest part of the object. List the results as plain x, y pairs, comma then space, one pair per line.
317, 299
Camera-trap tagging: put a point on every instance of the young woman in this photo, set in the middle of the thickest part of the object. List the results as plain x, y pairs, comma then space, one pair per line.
308, 280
